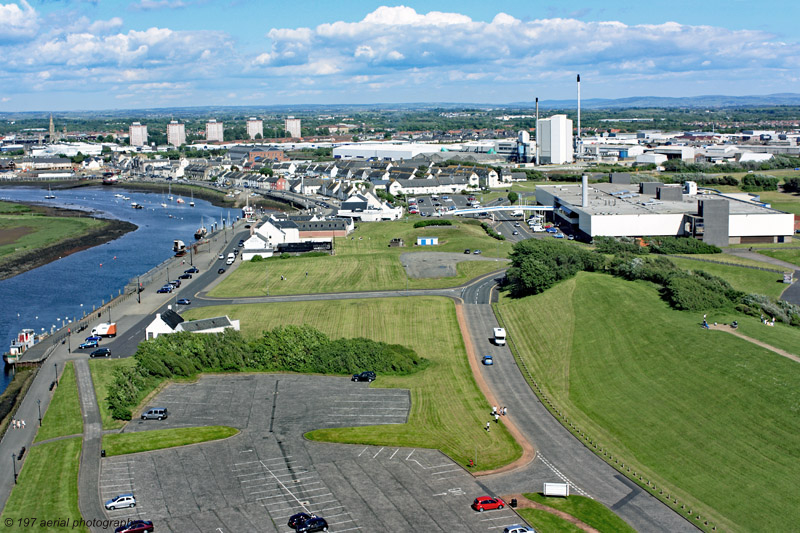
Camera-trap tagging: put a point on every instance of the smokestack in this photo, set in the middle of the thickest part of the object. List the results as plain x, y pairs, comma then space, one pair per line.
578, 137
585, 191
537, 130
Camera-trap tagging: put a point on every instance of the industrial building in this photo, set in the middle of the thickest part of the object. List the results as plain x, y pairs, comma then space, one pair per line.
554, 140
214, 131
138, 134
176, 133
622, 209
292, 126
255, 127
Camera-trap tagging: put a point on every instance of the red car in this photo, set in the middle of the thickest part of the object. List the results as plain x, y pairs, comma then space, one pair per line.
487, 503
135, 526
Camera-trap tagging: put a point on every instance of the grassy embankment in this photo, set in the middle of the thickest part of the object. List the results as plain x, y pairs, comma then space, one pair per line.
23, 231
145, 441
790, 256
747, 280
63, 416
708, 418
585, 509
47, 489
364, 262
447, 409
103, 378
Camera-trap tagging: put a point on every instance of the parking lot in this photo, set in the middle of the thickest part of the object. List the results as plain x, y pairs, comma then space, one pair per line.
257, 479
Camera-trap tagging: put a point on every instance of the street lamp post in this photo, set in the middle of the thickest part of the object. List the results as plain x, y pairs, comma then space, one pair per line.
69, 340
138, 290
56, 365
14, 466
39, 402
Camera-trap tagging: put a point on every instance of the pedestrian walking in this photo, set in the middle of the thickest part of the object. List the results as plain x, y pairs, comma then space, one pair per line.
494, 409
23, 424
13, 424
505, 411
488, 425
496, 418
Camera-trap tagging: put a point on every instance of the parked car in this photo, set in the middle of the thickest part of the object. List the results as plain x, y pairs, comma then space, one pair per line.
121, 501
486, 503
165, 288
467, 251
241, 244
236, 252
155, 413
315, 523
517, 528
95, 338
101, 352
515, 232
175, 283
193, 270
297, 519
230, 261
136, 526
477, 252
368, 376
221, 271
87, 344
183, 301
551, 229
221, 257
185, 276
487, 360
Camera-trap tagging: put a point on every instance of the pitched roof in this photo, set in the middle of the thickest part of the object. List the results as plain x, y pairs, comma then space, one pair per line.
207, 323
171, 318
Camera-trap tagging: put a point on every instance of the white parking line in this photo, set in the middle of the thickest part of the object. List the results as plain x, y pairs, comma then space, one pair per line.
376, 454
446, 471
362, 451
395, 452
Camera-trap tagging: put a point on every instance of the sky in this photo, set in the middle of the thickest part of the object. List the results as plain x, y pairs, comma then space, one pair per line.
61, 55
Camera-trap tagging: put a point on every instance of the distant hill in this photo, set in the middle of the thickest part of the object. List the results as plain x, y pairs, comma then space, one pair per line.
708, 101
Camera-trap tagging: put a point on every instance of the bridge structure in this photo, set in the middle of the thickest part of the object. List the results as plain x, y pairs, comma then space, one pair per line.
497, 208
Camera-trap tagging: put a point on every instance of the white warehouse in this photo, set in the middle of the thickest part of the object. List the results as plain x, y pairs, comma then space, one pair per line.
384, 151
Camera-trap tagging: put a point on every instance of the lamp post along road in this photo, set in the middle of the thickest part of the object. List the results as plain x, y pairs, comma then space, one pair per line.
14, 466
39, 402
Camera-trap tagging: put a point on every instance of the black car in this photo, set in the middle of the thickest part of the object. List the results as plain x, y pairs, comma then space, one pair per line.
100, 352
185, 276
297, 519
221, 271
193, 270
135, 526
315, 523
368, 376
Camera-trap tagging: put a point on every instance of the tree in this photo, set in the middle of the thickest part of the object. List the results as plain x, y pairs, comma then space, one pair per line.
513, 197
258, 136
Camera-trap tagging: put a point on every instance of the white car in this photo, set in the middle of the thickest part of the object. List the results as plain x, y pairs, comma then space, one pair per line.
123, 500
517, 528
230, 260
221, 257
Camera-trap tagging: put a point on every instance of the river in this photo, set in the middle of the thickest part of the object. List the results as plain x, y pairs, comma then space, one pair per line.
63, 290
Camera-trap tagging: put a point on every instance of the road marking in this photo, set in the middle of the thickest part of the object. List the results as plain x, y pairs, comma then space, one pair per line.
362, 451
564, 478
397, 450
376, 454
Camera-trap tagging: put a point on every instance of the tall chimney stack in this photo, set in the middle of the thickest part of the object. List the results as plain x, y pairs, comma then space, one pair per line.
578, 137
537, 130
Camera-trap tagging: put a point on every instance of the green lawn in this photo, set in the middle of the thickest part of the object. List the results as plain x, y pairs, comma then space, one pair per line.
587, 510
364, 262
39, 231
748, 280
544, 522
145, 441
448, 411
47, 489
780, 335
103, 376
707, 416
790, 256
63, 416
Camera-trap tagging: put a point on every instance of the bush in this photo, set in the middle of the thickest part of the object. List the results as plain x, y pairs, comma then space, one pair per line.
680, 245
256, 259
424, 223
119, 412
538, 264
610, 245
791, 185
759, 182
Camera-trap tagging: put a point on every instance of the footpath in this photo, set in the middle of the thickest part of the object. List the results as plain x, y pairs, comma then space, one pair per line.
128, 310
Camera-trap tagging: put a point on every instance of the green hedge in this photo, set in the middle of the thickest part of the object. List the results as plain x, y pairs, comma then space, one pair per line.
424, 223
491, 232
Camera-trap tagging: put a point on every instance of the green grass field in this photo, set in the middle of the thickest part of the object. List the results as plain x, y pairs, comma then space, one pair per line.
448, 411
585, 509
747, 280
63, 416
47, 489
780, 335
365, 262
544, 522
145, 441
790, 256
102, 377
709, 417
39, 231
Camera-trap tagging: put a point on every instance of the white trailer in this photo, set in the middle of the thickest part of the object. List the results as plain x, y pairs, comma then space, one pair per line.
500, 336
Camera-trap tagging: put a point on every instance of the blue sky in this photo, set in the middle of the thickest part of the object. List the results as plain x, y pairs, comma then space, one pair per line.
115, 54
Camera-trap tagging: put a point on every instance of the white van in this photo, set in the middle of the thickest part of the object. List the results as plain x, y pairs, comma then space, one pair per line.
230, 260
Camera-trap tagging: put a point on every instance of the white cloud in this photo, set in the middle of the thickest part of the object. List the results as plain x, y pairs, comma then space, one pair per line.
19, 22
150, 5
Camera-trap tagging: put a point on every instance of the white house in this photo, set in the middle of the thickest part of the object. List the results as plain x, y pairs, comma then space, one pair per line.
171, 322
364, 206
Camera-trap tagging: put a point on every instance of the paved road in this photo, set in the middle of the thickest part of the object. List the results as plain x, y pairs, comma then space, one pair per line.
89, 473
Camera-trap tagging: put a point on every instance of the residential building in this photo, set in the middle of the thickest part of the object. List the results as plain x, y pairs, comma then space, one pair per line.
171, 322
214, 131
176, 133
255, 127
554, 140
138, 134
292, 127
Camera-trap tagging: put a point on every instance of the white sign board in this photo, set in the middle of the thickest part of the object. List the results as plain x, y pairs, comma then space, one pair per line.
556, 489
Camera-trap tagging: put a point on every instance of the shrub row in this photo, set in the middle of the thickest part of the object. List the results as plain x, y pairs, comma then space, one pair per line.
680, 245
285, 348
759, 182
491, 232
538, 264
424, 223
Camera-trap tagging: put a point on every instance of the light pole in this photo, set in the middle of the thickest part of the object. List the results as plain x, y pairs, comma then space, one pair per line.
39, 402
56, 365
69, 340
14, 466
138, 290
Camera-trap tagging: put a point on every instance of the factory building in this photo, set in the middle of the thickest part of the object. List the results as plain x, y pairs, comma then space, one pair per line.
176, 133
554, 140
138, 134
214, 131
254, 127
622, 209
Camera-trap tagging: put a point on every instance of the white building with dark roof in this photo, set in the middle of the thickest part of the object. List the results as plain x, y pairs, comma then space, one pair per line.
171, 322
